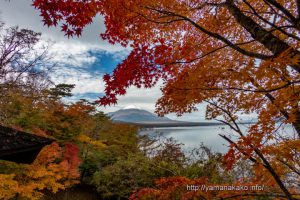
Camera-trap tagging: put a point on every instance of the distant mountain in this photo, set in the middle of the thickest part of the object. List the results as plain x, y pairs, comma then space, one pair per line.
143, 118
136, 115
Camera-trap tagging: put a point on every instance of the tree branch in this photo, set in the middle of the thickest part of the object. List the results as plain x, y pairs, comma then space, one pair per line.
283, 10
215, 35
289, 166
298, 8
242, 89
271, 42
254, 12
239, 149
207, 54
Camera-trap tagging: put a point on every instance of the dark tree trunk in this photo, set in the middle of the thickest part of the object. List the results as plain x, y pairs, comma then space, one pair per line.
270, 41
296, 124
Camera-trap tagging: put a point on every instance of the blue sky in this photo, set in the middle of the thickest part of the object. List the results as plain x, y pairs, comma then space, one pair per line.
83, 61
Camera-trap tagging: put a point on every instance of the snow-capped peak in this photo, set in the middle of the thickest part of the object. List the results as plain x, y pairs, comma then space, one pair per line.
132, 107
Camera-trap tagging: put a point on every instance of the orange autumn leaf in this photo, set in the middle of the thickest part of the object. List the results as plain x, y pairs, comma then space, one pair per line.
238, 57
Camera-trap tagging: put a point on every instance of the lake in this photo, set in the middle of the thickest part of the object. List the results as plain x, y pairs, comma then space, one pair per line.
192, 137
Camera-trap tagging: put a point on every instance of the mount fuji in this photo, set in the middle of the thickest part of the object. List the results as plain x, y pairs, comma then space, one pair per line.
138, 116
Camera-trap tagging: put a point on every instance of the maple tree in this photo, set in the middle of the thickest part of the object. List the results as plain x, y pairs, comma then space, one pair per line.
55, 168
237, 56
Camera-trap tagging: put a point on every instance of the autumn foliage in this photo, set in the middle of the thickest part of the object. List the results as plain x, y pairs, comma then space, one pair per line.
238, 57
54, 169
57, 166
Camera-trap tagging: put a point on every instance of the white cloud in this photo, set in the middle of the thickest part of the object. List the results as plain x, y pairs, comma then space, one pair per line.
196, 116
144, 98
121, 55
23, 14
75, 55
71, 54
85, 82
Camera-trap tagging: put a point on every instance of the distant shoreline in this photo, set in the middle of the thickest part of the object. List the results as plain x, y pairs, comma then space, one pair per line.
172, 124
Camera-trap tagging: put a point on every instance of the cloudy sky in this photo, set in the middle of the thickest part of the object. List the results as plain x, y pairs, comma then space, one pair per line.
83, 61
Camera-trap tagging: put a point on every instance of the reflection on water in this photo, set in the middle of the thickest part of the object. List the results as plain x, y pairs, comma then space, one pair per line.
192, 137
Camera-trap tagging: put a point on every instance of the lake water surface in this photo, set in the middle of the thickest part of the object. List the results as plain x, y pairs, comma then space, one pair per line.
192, 137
